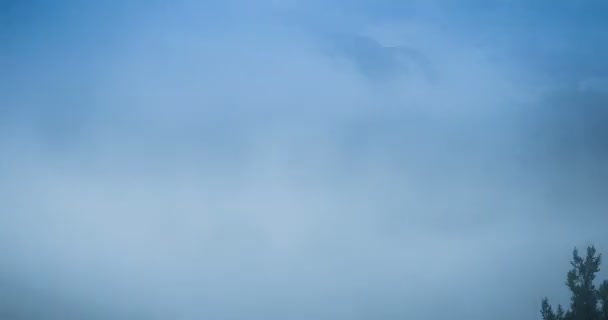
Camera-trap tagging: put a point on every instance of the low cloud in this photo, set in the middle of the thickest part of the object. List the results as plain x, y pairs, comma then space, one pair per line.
187, 168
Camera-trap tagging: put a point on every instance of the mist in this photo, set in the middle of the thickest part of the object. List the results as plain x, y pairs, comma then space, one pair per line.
298, 159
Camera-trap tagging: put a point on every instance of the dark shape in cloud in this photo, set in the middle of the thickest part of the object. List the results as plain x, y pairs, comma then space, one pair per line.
379, 62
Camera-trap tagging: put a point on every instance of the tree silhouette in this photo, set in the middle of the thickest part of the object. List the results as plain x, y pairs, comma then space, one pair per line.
586, 302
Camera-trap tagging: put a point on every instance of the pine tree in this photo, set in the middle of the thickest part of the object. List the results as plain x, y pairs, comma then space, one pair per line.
584, 300
587, 302
547, 311
603, 297
560, 315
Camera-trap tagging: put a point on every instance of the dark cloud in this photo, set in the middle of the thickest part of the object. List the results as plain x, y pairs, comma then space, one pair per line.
380, 62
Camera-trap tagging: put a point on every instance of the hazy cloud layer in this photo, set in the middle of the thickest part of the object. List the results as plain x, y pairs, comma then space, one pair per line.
298, 159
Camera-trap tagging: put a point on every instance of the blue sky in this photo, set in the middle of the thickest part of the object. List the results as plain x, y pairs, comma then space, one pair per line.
298, 159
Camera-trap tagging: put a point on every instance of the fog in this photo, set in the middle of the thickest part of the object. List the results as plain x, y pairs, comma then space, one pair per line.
298, 159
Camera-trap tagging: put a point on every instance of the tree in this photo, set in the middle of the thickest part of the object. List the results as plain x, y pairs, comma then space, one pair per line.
603, 296
586, 302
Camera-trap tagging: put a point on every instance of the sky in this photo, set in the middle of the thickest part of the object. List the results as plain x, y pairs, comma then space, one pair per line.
293, 159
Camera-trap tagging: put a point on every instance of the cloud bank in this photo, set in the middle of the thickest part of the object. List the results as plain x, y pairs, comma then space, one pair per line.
297, 160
